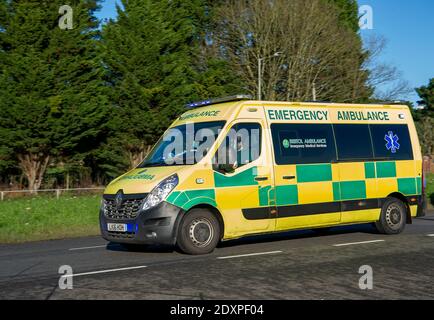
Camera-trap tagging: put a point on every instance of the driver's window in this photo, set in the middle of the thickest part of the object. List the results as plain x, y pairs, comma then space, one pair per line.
241, 146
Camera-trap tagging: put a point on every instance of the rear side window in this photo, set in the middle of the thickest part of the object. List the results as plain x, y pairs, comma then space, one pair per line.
391, 142
353, 142
303, 144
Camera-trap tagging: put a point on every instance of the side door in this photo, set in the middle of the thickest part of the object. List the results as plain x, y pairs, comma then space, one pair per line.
304, 169
244, 191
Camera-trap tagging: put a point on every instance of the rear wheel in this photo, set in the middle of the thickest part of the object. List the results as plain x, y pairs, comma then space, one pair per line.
199, 232
393, 217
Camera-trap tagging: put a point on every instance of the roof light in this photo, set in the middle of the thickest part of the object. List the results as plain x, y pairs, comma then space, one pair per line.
218, 100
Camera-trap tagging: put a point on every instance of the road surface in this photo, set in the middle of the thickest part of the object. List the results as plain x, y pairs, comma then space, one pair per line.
294, 265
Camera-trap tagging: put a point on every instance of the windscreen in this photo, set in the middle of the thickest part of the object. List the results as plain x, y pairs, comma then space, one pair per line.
186, 144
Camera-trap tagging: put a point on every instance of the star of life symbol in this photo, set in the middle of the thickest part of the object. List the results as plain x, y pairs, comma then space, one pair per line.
392, 142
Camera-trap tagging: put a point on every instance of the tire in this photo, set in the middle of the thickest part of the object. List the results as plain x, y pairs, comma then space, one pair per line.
393, 217
199, 232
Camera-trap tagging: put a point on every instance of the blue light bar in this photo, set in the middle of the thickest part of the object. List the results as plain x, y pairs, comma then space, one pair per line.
209, 102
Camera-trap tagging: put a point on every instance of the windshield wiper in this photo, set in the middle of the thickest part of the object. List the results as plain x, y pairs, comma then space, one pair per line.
154, 164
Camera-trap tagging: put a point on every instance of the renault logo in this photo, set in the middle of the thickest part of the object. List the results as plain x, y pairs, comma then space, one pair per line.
119, 199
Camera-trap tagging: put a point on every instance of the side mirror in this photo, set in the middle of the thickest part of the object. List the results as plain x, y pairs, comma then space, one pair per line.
227, 168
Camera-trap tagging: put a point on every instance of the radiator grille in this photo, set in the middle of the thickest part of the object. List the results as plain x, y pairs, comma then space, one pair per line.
129, 209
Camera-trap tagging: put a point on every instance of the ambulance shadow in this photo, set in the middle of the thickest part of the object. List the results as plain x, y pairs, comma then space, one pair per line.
301, 234
139, 248
255, 239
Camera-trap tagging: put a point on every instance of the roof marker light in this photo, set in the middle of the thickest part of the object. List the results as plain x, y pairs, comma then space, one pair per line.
218, 100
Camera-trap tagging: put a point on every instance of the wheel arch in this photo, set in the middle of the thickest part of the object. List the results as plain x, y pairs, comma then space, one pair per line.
403, 199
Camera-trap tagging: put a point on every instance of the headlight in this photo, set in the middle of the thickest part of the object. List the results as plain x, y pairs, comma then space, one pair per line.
160, 192
103, 206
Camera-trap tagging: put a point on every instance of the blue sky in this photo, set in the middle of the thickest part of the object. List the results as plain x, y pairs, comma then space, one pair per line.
408, 26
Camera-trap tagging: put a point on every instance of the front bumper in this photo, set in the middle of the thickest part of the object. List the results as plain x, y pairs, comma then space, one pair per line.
158, 225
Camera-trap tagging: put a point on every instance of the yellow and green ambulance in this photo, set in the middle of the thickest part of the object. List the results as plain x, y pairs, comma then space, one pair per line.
234, 167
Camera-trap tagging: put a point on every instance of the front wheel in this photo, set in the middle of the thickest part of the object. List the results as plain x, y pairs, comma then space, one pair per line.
393, 217
199, 232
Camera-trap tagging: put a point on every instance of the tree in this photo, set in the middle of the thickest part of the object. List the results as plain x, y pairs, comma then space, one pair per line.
426, 93
385, 78
425, 117
348, 12
156, 61
51, 91
319, 51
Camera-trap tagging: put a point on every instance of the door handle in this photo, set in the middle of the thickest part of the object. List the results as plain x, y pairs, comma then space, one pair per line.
261, 178
289, 177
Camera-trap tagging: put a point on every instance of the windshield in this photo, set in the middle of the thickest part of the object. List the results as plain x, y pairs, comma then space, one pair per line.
184, 145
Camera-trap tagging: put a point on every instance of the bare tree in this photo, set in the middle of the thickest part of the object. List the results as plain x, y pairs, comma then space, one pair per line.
33, 166
317, 49
136, 154
385, 78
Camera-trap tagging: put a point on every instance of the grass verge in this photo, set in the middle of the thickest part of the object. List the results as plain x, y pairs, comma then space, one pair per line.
46, 218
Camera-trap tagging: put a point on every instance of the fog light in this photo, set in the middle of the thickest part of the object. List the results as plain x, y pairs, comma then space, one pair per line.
151, 235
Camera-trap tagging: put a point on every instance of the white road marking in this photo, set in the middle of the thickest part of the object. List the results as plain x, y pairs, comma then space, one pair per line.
354, 243
430, 235
85, 248
103, 271
249, 255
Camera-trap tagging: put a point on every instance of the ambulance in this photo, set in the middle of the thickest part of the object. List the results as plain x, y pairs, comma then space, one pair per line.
235, 167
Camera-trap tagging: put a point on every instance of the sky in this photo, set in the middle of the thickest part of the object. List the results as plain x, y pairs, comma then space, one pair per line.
407, 25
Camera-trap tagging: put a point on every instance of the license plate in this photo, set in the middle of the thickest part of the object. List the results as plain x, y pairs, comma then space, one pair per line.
117, 227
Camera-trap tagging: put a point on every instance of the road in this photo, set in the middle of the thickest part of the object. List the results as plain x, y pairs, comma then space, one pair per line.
294, 265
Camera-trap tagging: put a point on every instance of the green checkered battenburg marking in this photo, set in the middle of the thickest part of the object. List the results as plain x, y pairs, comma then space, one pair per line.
349, 190
188, 199
314, 173
264, 196
408, 186
245, 178
353, 190
337, 191
386, 169
172, 197
419, 185
370, 170
286, 195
